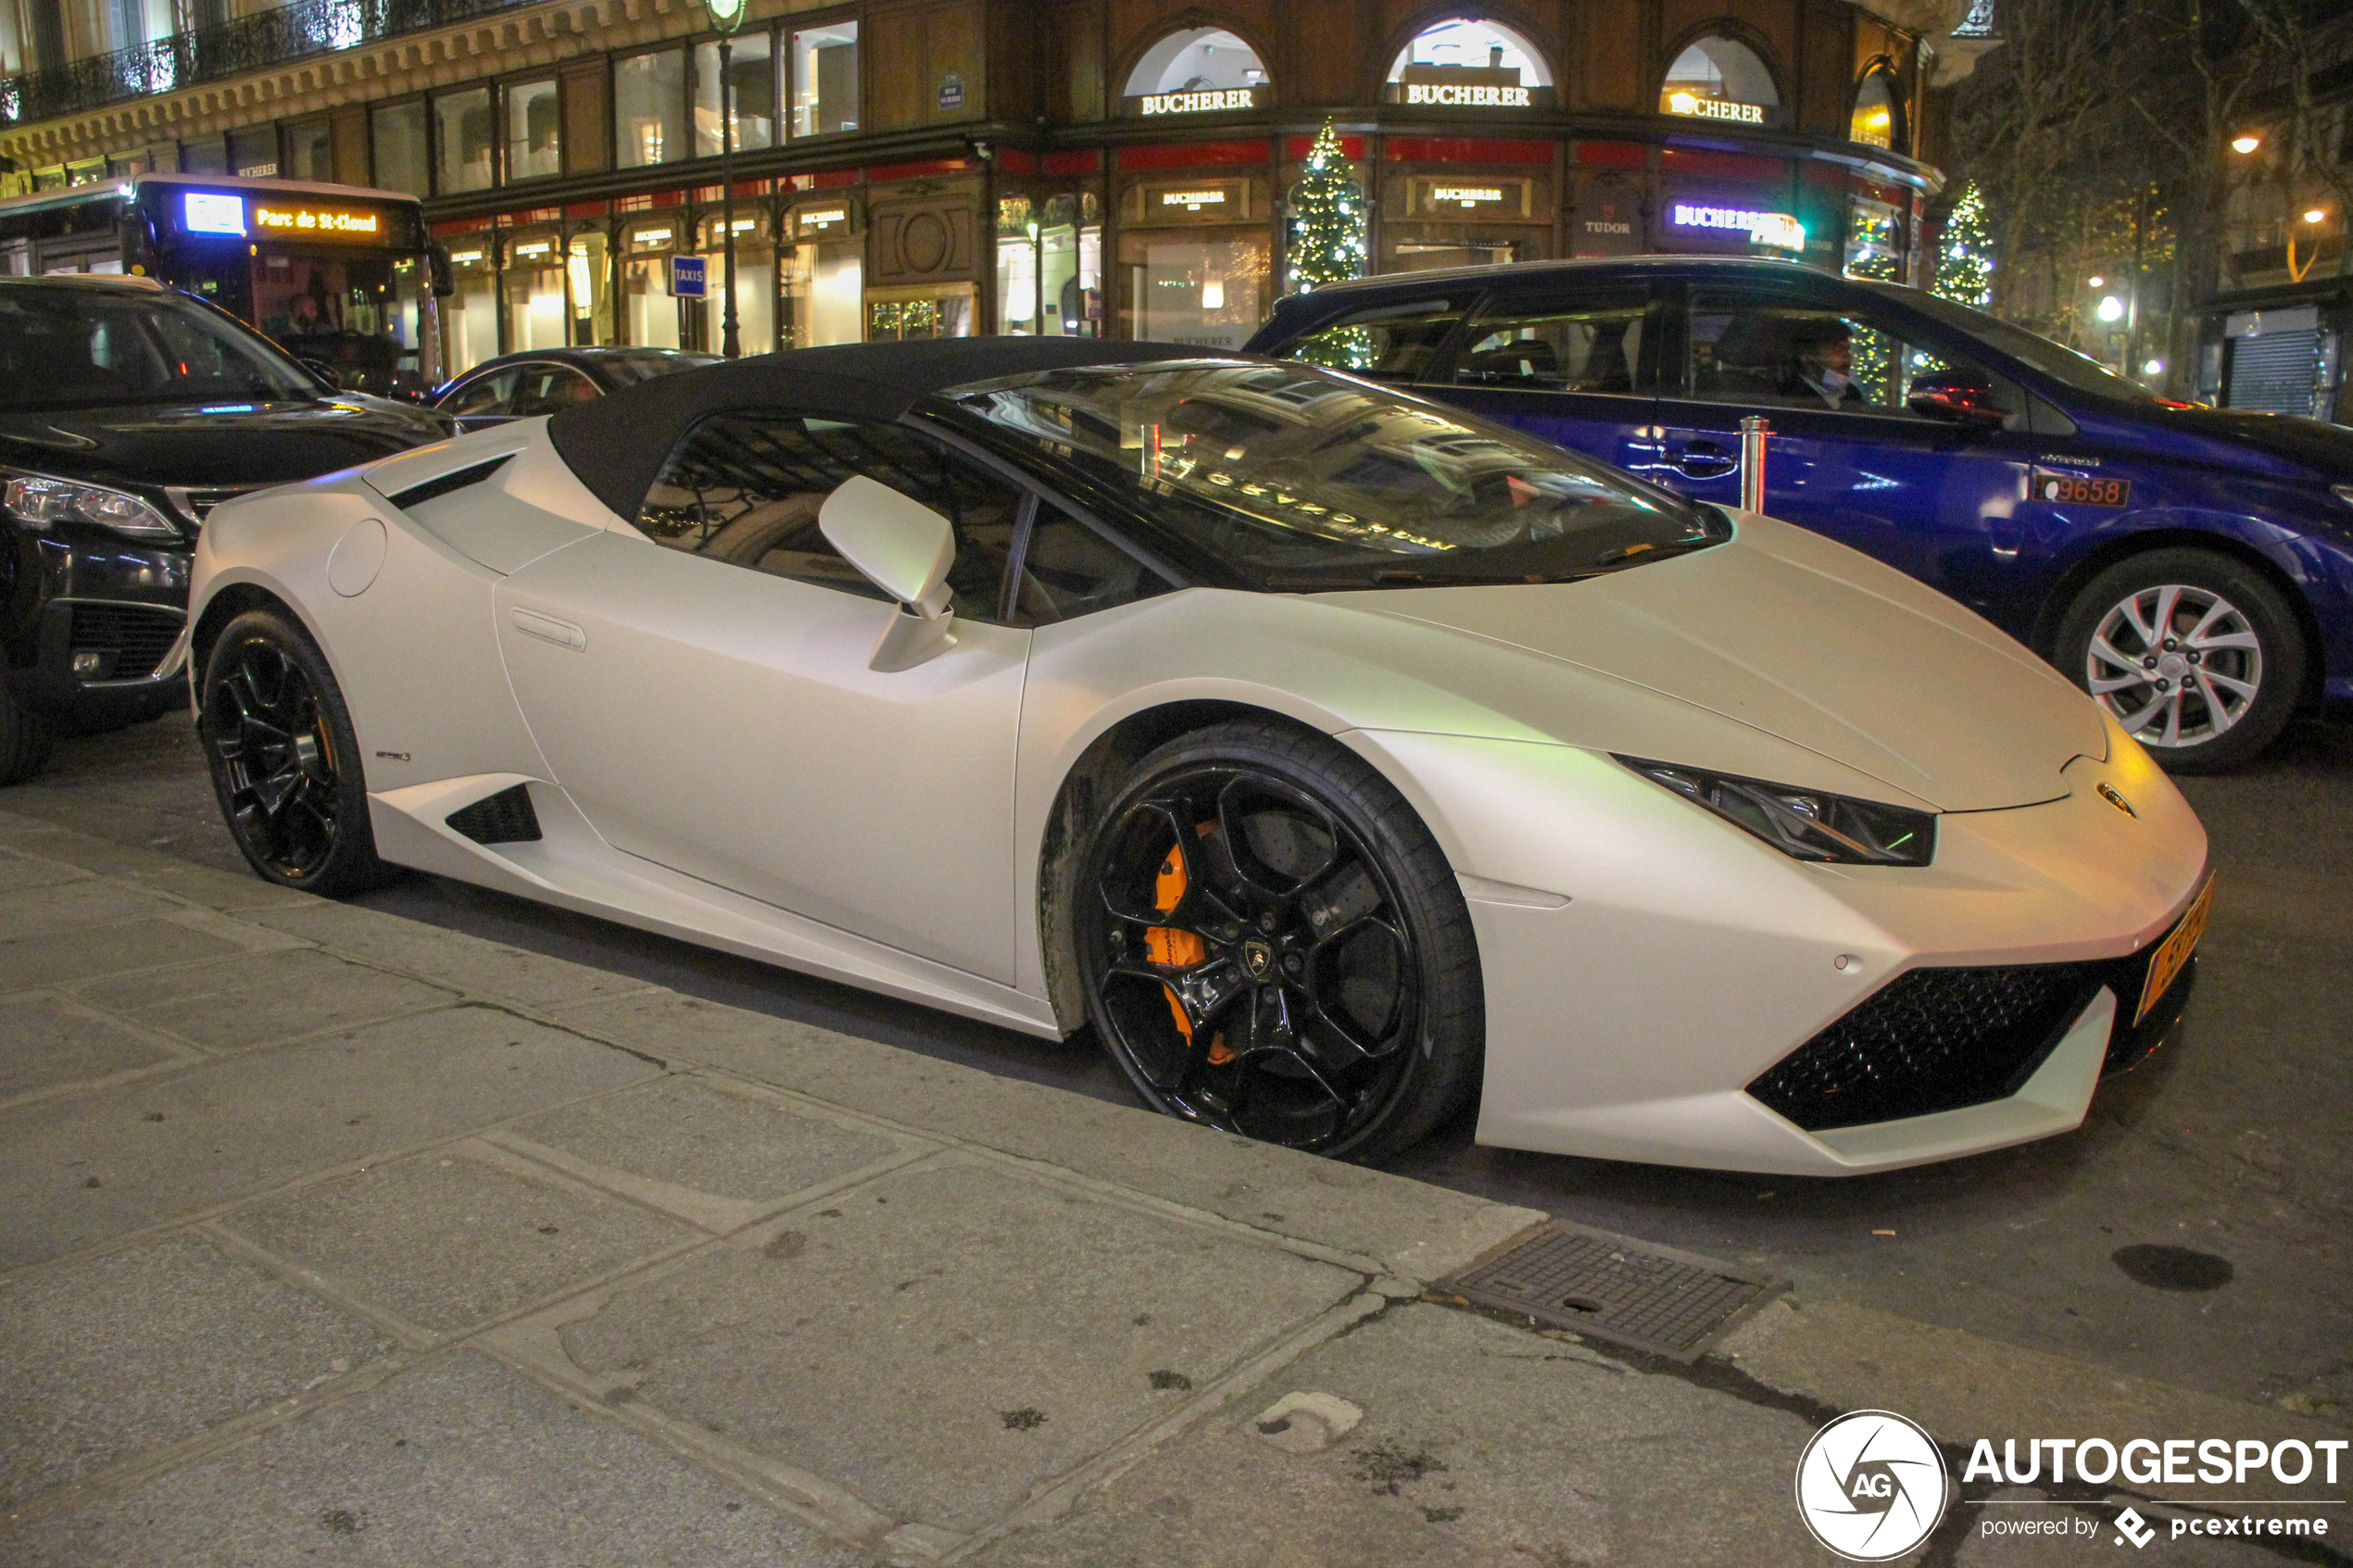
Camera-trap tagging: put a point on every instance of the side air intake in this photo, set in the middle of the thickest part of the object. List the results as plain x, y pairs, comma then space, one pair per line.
503, 818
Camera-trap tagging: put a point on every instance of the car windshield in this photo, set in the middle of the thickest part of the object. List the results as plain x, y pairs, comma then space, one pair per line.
64, 347
2055, 360
1306, 479
628, 369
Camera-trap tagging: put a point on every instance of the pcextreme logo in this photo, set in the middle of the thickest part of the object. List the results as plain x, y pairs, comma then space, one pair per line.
1871, 1486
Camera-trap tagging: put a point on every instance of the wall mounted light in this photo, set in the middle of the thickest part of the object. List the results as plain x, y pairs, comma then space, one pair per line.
2245, 143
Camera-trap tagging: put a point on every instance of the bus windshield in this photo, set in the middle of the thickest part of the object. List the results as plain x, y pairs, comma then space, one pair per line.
72, 346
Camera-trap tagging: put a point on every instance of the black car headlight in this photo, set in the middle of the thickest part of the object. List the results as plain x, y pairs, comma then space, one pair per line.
39, 501
1809, 824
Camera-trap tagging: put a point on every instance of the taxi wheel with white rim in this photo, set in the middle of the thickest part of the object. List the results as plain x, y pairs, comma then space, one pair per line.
284, 760
1272, 944
24, 742
2197, 655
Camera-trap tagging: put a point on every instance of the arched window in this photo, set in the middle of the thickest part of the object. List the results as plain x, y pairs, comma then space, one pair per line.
1878, 120
1464, 63
1199, 71
1720, 78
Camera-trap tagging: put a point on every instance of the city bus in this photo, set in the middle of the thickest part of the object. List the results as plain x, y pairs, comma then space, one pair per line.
337, 274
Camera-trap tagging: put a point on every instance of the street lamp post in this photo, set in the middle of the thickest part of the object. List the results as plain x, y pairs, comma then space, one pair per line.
726, 16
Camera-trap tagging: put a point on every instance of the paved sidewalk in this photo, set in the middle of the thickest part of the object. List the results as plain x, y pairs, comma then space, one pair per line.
331, 1238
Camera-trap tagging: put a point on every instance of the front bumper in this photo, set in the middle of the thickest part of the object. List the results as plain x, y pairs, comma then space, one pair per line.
1646, 967
93, 629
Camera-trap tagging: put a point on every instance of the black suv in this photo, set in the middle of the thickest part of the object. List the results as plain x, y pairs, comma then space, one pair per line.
127, 411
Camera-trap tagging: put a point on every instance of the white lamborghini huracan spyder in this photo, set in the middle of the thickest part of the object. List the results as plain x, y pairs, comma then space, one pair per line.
1334, 754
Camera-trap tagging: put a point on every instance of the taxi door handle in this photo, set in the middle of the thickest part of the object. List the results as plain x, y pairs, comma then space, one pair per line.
1706, 459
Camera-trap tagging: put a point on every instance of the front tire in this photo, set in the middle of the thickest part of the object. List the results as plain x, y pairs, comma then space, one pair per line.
2197, 655
1271, 944
284, 760
25, 739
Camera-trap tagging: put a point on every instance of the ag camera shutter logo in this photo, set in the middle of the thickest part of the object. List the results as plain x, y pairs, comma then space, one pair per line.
1871, 1486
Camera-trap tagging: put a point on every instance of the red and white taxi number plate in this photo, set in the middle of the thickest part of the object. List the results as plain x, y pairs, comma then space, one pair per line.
2173, 953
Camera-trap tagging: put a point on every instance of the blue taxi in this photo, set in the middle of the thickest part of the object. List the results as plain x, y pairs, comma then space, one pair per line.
2191, 568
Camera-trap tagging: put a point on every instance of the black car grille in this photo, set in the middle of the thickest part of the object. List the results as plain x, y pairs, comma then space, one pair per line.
1940, 1039
130, 640
503, 818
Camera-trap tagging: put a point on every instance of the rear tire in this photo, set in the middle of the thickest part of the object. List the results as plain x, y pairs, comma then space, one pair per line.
2197, 655
25, 739
1270, 943
284, 760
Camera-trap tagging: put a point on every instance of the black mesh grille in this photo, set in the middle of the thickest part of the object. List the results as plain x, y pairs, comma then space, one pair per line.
1934, 1039
130, 640
503, 818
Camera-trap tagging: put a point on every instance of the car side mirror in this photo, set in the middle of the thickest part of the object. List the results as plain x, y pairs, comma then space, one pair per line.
904, 548
322, 369
1956, 399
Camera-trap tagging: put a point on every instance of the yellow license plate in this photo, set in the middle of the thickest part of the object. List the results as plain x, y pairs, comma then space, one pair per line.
2166, 963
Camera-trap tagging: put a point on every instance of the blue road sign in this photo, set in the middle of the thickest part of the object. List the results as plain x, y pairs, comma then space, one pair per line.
686, 277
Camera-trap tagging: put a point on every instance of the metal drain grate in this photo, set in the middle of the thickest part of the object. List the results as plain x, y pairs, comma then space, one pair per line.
1611, 1287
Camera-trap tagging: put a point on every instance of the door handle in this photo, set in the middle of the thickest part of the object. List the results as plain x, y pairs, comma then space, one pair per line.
547, 628
1706, 459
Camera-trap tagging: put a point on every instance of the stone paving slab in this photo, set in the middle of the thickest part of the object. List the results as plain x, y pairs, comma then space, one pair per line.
1478, 1445
213, 886
69, 904
47, 1041
942, 1339
1414, 1230
19, 873
458, 1463
693, 1134
447, 1241
60, 956
447, 957
142, 1347
261, 998
80, 1171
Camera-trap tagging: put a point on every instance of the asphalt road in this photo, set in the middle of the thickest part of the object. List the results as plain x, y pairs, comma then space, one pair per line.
2194, 1231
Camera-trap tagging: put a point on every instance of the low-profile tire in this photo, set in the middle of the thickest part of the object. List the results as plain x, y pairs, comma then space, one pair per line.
285, 761
25, 739
1270, 943
2198, 655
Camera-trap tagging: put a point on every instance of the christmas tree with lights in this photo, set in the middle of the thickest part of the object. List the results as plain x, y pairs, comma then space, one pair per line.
1964, 259
1328, 242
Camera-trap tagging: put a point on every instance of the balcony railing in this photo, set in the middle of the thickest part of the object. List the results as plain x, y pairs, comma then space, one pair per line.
293, 31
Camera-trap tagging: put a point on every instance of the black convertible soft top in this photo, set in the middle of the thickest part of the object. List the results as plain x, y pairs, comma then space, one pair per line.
617, 444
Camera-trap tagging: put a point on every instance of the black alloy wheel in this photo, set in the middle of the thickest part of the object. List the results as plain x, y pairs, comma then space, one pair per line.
1272, 946
285, 765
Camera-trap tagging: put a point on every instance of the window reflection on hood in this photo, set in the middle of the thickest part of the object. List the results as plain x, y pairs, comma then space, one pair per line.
1308, 479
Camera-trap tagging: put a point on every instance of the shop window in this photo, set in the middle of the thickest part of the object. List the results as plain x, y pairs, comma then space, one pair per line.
755, 282
1875, 241
1389, 342
1466, 63
398, 131
1050, 257
653, 315
752, 73
1199, 71
591, 296
1210, 291
1722, 79
535, 142
1594, 346
746, 489
824, 79
1878, 120
922, 311
471, 321
205, 157
462, 134
649, 108
254, 154
536, 314
822, 284
311, 151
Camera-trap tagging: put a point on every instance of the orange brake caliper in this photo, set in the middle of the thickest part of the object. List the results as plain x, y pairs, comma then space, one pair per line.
1178, 949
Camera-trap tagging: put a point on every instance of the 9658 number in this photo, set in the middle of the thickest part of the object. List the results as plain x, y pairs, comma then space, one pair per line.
2070, 490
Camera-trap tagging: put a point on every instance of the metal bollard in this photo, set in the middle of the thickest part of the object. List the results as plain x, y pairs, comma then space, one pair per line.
1754, 429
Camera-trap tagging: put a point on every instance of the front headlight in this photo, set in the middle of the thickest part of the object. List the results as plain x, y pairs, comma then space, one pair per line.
38, 501
1809, 824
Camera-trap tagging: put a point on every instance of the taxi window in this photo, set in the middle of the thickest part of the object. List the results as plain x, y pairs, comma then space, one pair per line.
1587, 341
1386, 342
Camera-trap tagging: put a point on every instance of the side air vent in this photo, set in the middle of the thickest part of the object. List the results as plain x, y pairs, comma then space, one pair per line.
418, 495
503, 818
